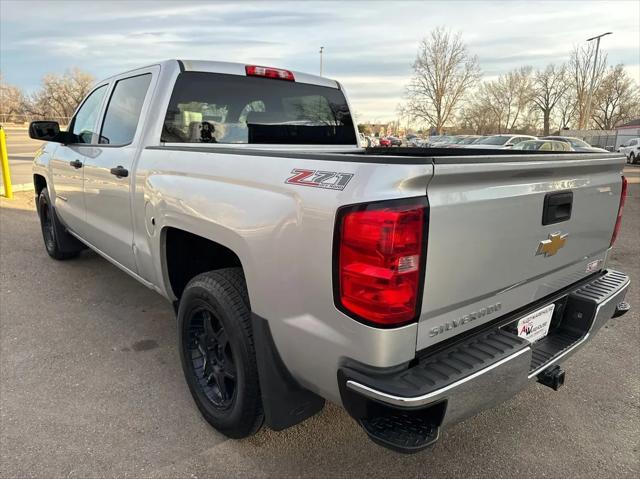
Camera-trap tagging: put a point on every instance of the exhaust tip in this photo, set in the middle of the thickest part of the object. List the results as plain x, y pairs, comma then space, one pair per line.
553, 377
621, 309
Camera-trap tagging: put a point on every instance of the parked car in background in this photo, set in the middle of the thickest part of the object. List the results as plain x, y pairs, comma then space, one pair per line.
452, 140
385, 141
500, 141
469, 140
415, 142
441, 140
576, 144
631, 149
457, 140
543, 145
370, 141
395, 141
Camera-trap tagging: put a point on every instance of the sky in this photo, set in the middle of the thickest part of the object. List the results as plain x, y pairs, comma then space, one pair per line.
369, 46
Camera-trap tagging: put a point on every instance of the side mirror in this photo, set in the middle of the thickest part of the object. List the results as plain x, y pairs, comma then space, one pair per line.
44, 130
50, 131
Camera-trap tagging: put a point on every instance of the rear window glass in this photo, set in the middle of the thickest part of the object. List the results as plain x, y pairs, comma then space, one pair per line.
232, 109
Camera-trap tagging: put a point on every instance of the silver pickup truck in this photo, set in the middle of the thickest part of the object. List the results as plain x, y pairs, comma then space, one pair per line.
414, 286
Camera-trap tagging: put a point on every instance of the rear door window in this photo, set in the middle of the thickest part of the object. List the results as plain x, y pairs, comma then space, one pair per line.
123, 112
233, 109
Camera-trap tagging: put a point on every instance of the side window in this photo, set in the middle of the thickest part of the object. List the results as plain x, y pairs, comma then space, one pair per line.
633, 142
516, 140
84, 123
123, 111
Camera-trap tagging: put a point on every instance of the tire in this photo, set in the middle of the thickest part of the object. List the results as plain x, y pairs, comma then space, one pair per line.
632, 158
218, 354
59, 244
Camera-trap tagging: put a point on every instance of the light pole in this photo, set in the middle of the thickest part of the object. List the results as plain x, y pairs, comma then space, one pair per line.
321, 49
587, 113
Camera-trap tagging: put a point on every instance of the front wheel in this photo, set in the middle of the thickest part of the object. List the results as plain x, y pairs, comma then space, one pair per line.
218, 354
58, 243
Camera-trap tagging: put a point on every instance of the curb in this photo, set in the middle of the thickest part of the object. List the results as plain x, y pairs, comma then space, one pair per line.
18, 188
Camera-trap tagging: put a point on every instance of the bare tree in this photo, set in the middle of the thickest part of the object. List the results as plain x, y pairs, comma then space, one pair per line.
550, 85
565, 113
616, 100
580, 71
508, 99
11, 102
443, 72
478, 117
60, 95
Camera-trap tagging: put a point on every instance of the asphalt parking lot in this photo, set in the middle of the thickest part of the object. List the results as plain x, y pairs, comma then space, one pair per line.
91, 386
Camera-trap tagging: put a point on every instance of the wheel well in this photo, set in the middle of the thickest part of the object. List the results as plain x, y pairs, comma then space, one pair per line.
39, 183
188, 255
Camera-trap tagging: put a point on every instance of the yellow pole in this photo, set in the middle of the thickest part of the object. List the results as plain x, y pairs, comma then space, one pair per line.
4, 159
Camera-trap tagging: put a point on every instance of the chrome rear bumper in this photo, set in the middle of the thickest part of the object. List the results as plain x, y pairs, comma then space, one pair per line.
487, 368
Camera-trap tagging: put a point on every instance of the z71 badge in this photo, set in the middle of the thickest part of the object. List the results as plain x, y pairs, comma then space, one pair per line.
331, 180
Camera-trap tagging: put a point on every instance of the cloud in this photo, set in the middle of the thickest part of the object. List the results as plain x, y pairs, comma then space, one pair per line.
369, 46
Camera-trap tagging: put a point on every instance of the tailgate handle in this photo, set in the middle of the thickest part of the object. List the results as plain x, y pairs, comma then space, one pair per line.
557, 207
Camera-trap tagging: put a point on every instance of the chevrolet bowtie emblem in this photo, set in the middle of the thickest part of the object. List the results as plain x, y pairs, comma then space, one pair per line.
550, 246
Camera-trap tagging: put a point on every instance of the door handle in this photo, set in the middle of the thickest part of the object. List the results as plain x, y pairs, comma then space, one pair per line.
76, 164
119, 171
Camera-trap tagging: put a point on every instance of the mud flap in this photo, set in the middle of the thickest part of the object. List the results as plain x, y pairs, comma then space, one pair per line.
285, 402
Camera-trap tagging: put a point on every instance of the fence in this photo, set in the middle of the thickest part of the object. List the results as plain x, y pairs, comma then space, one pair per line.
24, 120
607, 139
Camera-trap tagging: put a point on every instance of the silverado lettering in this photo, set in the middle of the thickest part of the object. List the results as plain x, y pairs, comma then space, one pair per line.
465, 319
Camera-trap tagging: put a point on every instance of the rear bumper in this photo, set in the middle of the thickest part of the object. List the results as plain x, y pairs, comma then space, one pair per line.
485, 368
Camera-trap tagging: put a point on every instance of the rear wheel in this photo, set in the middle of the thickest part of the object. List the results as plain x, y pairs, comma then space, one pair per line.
218, 354
58, 243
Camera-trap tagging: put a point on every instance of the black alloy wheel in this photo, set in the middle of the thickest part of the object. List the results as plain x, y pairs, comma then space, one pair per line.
217, 351
212, 357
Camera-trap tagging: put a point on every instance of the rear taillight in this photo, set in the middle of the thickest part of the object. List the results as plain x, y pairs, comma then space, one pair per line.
623, 196
379, 269
268, 72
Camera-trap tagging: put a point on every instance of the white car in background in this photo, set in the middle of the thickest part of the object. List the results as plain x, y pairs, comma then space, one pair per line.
576, 144
467, 140
365, 141
500, 141
631, 149
543, 145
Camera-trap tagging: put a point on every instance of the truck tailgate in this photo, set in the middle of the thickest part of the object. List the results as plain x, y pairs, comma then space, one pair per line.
484, 254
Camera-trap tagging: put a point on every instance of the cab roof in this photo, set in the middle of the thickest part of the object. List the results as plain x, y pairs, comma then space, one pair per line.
231, 68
